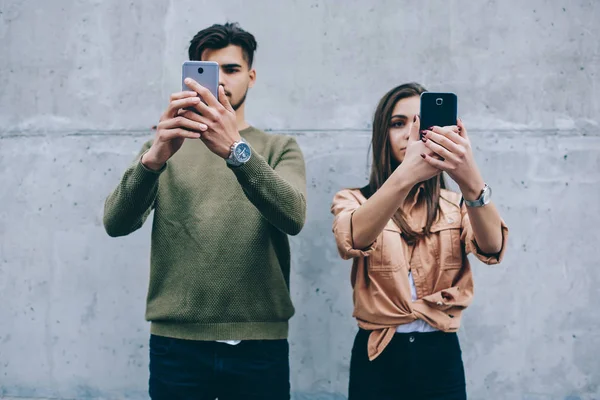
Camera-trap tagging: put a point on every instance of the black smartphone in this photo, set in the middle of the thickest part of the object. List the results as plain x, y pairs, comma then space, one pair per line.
439, 109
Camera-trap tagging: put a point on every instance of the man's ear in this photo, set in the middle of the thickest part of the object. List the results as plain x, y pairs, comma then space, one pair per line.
252, 75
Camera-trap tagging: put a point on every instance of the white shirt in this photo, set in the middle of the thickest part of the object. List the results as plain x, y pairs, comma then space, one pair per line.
418, 325
231, 342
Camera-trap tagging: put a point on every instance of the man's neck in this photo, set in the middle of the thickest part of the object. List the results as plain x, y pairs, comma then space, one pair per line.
240, 117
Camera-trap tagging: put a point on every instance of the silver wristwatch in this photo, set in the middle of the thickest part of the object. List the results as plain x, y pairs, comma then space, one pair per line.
240, 153
484, 198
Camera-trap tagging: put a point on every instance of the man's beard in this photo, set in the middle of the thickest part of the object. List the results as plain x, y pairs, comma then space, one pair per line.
239, 103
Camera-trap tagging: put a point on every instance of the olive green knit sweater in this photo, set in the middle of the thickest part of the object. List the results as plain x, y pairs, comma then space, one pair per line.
220, 258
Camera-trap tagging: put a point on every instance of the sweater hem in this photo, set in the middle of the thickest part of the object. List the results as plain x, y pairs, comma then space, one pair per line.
221, 331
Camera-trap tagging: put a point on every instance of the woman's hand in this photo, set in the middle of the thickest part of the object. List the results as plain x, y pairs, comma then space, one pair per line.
452, 144
370, 218
414, 165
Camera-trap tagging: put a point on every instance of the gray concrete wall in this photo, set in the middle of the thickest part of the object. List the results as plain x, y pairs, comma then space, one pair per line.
82, 82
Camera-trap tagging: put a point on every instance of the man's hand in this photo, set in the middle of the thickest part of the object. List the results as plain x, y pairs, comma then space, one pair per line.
172, 130
218, 116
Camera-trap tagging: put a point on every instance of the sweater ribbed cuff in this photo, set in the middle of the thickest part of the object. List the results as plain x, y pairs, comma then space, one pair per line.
251, 168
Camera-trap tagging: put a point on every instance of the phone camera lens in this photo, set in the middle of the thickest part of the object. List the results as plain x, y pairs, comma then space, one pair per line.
200, 70
439, 101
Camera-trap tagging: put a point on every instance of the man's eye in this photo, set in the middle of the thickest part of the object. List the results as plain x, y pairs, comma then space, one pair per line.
231, 71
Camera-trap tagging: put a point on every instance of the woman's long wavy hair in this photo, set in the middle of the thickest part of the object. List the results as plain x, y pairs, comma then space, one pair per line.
383, 163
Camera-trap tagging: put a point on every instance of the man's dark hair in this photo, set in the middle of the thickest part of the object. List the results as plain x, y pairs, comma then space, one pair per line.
220, 36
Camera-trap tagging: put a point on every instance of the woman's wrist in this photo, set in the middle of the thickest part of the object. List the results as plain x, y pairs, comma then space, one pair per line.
402, 182
471, 190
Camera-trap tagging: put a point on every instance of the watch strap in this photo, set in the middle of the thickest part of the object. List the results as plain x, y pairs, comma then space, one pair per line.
481, 201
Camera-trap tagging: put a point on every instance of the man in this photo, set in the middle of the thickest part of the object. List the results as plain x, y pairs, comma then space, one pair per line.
225, 197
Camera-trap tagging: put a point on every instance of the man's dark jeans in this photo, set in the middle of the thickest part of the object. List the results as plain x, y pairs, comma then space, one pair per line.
199, 370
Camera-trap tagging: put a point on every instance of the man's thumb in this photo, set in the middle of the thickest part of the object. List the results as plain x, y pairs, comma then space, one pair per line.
224, 100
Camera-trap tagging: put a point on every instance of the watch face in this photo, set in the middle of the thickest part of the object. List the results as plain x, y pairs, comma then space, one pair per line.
487, 194
242, 152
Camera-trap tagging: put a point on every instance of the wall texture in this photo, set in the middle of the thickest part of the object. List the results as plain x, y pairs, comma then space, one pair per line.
82, 82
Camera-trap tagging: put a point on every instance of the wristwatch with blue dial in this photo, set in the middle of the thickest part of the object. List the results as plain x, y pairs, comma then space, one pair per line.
484, 198
240, 153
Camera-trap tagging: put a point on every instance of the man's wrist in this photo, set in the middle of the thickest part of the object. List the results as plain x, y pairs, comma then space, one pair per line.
230, 144
148, 162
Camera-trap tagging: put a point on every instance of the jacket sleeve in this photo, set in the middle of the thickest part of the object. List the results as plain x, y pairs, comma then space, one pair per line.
343, 207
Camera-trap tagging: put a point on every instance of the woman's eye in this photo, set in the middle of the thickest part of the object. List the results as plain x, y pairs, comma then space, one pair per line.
398, 124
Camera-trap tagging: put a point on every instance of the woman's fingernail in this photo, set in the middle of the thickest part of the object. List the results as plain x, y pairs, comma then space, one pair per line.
424, 139
422, 155
430, 128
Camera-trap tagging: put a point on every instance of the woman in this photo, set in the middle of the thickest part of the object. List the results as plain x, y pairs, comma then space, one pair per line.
408, 237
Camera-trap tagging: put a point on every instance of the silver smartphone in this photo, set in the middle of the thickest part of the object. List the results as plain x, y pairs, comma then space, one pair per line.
206, 73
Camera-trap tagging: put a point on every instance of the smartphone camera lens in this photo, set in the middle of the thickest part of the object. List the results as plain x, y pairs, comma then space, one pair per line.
200, 70
439, 101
